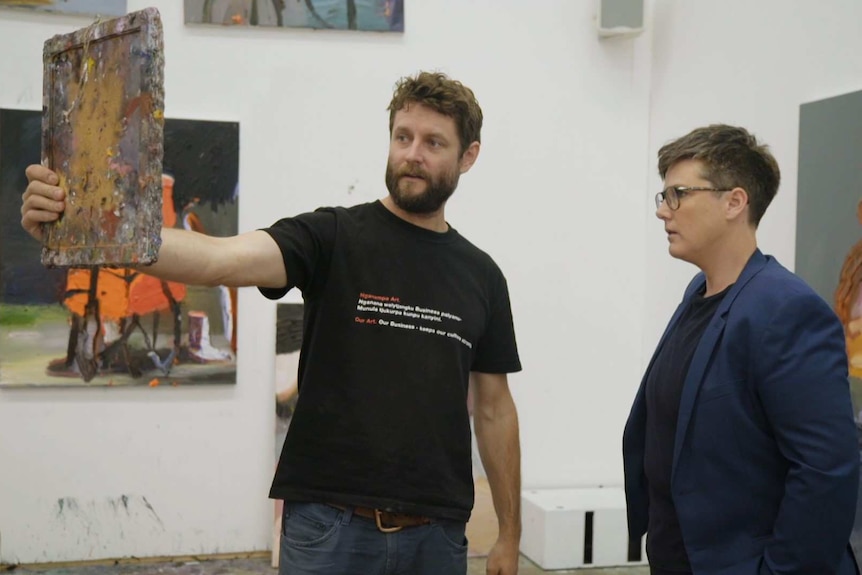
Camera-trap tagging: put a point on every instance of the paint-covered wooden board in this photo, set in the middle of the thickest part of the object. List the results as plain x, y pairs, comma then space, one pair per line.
102, 133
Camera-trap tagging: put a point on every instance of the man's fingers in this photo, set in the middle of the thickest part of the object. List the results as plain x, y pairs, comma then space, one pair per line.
39, 203
35, 172
37, 210
42, 201
38, 217
32, 221
37, 188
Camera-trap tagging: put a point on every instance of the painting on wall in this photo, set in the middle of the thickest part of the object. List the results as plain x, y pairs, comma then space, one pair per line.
829, 216
370, 15
103, 8
146, 331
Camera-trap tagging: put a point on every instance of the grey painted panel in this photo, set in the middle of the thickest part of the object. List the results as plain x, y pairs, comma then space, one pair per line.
830, 187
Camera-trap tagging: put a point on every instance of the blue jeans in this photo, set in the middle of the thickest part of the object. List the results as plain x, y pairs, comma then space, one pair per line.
317, 539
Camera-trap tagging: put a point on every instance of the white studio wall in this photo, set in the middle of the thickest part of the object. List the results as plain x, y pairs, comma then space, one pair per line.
556, 198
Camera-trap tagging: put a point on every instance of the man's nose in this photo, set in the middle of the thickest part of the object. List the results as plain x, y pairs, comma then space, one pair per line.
414, 152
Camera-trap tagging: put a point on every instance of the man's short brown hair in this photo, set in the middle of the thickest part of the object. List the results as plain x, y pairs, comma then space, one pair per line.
732, 157
443, 95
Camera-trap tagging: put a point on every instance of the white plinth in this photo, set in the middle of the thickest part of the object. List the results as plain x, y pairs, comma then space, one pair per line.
556, 528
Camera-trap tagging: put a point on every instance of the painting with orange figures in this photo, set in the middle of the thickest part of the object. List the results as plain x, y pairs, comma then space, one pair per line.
119, 326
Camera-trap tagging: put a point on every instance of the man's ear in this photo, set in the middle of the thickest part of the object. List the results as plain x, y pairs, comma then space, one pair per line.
737, 201
468, 158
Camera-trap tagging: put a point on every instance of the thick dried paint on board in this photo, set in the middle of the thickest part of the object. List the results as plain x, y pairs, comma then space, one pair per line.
102, 132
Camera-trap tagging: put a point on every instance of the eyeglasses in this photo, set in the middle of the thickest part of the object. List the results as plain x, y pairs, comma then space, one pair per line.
673, 194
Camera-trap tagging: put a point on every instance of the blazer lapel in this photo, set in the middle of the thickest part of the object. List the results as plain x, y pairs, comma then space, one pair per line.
705, 350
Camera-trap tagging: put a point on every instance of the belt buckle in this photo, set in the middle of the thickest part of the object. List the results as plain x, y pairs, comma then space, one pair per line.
378, 519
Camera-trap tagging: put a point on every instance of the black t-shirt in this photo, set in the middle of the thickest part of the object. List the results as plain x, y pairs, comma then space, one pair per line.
665, 547
396, 317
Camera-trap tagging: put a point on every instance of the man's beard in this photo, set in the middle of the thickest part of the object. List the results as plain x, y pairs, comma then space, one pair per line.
437, 190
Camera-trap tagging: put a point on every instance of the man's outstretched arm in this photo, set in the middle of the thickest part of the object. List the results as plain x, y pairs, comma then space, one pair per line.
250, 259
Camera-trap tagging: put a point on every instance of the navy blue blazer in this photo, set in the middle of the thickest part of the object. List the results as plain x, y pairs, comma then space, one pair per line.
766, 461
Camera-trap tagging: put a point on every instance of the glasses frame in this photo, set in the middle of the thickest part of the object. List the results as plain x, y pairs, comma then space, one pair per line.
672, 200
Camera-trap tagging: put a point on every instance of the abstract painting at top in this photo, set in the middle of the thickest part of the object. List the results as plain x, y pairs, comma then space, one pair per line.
104, 8
374, 15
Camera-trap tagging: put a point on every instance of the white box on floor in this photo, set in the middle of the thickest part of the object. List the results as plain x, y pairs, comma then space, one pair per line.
576, 527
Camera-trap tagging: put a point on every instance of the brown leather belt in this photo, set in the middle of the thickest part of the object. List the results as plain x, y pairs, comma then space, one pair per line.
387, 521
